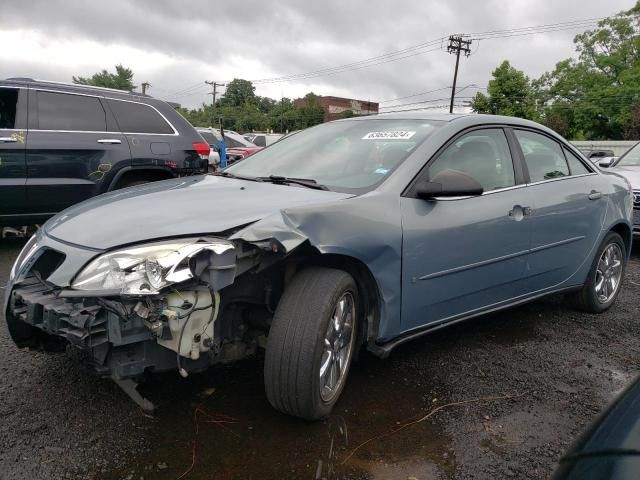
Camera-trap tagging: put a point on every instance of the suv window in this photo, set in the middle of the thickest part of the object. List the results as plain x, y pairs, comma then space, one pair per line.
230, 142
138, 118
209, 137
576, 167
543, 156
481, 154
8, 104
63, 111
260, 141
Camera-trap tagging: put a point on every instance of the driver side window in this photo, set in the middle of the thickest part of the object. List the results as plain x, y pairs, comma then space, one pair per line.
481, 154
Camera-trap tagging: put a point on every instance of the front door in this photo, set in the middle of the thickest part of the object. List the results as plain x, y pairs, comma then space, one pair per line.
13, 169
70, 150
464, 255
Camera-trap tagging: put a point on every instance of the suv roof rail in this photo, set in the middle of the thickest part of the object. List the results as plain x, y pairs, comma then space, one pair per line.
71, 84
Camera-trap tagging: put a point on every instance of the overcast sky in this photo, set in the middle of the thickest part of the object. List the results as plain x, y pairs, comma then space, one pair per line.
176, 45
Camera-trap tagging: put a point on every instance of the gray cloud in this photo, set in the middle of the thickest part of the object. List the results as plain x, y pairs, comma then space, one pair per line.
203, 38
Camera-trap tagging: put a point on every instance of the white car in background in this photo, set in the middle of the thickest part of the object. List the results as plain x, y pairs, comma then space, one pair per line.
263, 139
213, 139
628, 165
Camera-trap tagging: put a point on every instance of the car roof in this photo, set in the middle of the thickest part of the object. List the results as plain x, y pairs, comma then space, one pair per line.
73, 87
462, 120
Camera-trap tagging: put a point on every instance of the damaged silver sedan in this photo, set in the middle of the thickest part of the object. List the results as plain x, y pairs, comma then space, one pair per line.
360, 233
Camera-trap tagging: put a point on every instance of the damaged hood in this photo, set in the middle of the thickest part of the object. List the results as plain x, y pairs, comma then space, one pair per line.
184, 206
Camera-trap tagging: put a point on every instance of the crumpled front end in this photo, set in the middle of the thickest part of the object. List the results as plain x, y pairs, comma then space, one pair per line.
133, 314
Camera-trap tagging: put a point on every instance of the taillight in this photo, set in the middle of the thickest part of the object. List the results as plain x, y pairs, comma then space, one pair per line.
201, 148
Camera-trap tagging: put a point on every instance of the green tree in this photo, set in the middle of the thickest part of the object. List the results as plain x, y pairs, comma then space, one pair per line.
311, 113
121, 80
595, 93
508, 93
237, 93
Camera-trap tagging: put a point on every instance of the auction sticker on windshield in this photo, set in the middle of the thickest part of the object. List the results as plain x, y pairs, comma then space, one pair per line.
392, 135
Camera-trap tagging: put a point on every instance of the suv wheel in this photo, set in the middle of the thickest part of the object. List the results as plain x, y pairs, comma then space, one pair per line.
311, 343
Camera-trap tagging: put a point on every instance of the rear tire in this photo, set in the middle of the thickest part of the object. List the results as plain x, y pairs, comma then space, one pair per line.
311, 343
605, 277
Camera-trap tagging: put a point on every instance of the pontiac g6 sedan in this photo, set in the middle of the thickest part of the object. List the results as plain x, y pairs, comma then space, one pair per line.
360, 233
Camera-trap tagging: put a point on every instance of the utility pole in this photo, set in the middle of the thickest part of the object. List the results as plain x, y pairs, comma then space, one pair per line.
144, 86
457, 45
214, 84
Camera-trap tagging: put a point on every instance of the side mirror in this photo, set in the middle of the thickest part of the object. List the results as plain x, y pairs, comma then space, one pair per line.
605, 162
449, 183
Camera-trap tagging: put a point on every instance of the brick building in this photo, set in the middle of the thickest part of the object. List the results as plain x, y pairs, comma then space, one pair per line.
334, 106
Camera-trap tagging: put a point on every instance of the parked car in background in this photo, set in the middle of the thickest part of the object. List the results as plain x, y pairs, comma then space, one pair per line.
610, 448
238, 147
212, 138
628, 165
63, 143
595, 154
364, 232
263, 139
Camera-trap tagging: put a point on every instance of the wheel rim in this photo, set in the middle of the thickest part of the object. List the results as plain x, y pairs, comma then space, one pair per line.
608, 273
337, 346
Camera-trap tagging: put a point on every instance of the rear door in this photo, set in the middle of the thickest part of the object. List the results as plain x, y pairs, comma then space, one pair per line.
72, 151
567, 211
13, 168
151, 137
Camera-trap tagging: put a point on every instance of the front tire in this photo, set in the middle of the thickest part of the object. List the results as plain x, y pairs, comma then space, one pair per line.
311, 343
605, 277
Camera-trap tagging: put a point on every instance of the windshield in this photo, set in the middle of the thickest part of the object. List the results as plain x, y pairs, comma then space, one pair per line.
346, 156
631, 158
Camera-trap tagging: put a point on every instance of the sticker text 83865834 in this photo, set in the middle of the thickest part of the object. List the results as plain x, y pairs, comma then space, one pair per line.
390, 135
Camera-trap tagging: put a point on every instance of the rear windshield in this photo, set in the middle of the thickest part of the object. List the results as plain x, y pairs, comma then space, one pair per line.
347, 156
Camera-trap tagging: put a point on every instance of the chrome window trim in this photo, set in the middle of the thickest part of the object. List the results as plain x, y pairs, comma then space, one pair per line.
174, 134
568, 177
490, 192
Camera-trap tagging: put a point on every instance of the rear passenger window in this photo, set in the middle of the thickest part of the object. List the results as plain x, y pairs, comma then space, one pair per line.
61, 111
576, 167
543, 156
481, 154
8, 105
138, 118
260, 141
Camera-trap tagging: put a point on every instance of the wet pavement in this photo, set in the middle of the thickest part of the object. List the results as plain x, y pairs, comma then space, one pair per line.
504, 395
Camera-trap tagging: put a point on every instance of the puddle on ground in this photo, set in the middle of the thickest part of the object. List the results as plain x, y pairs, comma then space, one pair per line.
241, 437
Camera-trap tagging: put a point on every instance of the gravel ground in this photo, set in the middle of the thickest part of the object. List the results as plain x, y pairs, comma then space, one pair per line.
561, 367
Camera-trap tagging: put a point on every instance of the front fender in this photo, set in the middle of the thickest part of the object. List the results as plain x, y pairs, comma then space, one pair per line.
367, 228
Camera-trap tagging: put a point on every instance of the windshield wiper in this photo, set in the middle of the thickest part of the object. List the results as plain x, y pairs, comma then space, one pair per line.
239, 177
305, 182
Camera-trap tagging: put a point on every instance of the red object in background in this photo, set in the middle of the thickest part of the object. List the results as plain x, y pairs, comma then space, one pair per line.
171, 164
201, 148
244, 151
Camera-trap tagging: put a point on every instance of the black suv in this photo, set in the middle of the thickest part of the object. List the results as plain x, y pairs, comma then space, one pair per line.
63, 143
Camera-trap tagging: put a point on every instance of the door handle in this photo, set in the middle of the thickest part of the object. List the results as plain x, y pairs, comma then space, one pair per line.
8, 140
109, 141
518, 212
594, 195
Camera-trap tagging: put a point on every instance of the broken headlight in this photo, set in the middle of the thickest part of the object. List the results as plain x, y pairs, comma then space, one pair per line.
146, 269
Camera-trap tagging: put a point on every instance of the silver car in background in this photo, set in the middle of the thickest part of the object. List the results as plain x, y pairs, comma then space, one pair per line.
628, 165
